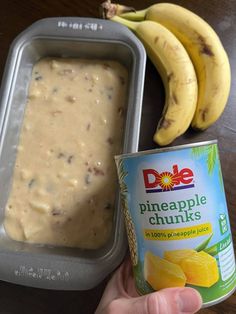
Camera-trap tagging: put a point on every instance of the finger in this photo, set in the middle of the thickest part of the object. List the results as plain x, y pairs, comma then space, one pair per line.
120, 285
166, 301
111, 291
126, 281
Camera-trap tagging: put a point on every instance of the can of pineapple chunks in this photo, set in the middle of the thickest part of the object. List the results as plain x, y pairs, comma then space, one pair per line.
177, 220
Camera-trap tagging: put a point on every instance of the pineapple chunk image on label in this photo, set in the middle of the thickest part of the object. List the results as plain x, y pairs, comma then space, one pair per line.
200, 268
176, 256
160, 273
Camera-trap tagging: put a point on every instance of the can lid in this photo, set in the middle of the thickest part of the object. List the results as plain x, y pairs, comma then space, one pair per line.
165, 149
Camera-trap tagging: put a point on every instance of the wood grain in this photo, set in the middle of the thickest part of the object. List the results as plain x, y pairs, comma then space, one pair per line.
15, 16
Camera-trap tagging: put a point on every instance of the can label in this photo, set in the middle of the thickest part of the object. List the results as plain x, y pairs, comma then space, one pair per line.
177, 220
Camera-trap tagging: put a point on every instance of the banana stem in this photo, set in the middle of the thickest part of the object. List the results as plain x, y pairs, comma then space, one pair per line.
130, 24
108, 9
135, 16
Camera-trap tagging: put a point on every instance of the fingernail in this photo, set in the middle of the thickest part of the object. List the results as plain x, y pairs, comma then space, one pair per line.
189, 300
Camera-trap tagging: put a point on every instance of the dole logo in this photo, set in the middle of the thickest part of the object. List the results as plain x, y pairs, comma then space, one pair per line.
167, 181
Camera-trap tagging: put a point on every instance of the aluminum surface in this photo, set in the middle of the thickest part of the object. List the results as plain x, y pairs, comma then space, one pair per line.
47, 266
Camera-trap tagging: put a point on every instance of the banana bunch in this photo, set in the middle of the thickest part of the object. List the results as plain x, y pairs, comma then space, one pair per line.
181, 45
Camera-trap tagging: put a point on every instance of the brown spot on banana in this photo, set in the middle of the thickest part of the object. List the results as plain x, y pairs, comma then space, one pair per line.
175, 99
156, 39
165, 123
215, 90
170, 76
188, 81
205, 48
204, 113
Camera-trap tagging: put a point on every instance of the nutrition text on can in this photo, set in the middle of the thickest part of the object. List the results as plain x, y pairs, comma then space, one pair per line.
177, 220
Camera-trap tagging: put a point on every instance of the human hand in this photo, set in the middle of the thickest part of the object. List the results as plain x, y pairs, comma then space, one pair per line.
121, 297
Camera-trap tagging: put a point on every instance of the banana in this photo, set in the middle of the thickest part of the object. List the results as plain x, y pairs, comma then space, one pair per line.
178, 75
206, 52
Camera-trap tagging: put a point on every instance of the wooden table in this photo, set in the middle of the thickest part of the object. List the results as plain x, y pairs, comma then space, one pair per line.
15, 16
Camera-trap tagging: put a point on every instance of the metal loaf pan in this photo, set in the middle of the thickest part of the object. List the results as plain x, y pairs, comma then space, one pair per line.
57, 267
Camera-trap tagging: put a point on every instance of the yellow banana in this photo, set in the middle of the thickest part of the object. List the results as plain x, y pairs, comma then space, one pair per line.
206, 51
178, 75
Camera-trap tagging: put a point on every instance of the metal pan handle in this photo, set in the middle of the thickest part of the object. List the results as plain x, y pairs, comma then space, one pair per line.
74, 27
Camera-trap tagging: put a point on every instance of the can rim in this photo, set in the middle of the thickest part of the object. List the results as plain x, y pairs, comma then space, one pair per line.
165, 149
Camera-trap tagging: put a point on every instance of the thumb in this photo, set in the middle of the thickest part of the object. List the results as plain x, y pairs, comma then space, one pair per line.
166, 301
